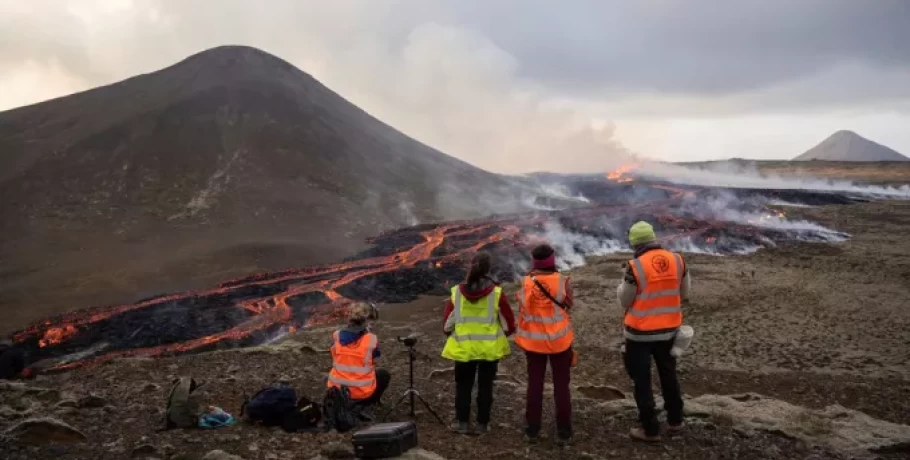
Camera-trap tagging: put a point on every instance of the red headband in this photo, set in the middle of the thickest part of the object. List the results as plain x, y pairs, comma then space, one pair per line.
549, 262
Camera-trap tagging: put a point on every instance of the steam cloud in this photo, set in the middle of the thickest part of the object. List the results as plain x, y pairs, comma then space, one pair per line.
733, 176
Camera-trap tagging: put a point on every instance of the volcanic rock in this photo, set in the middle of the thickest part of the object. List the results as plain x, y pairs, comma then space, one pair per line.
221, 455
337, 450
619, 406
44, 431
442, 374
420, 454
601, 392
92, 402
843, 430
8, 413
849, 146
48, 396
144, 451
151, 387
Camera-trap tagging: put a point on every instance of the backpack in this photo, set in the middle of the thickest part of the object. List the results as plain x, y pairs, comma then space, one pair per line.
305, 417
183, 407
270, 405
338, 410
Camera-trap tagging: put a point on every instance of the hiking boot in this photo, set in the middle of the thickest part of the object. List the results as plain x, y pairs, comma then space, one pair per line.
563, 436
673, 430
461, 427
532, 434
482, 428
638, 434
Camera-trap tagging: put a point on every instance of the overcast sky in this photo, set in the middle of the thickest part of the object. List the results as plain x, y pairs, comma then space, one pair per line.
519, 85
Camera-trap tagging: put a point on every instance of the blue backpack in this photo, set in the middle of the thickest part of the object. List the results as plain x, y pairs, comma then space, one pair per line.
271, 405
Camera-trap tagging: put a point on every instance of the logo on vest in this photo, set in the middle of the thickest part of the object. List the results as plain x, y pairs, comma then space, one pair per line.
538, 295
660, 263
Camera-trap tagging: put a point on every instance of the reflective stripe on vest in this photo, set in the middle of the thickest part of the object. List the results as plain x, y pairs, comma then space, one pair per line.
366, 370
543, 326
490, 317
544, 335
649, 337
643, 295
656, 311
478, 333
465, 337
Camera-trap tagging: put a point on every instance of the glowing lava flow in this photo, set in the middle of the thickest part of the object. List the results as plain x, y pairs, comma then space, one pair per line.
620, 174
269, 311
251, 309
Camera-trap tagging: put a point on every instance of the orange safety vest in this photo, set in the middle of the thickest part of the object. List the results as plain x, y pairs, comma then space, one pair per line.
656, 312
543, 326
352, 365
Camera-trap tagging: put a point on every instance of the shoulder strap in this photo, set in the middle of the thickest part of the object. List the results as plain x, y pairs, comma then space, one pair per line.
543, 289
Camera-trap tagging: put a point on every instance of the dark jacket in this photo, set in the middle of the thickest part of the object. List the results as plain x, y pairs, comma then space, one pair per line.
476, 292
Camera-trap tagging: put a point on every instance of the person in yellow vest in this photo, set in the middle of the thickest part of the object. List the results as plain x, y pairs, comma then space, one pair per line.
545, 334
478, 319
655, 283
354, 348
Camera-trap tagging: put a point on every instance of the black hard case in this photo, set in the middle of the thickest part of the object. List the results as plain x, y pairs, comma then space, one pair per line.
385, 440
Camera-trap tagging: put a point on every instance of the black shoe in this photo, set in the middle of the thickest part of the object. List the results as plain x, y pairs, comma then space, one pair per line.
563, 436
532, 434
461, 427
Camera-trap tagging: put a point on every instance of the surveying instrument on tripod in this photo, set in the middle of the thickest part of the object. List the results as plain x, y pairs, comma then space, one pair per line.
410, 341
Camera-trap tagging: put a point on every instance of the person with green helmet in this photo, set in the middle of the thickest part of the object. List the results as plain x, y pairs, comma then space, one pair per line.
478, 319
654, 285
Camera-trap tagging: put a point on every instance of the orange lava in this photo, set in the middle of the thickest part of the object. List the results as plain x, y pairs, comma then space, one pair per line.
620, 174
56, 335
456, 240
273, 310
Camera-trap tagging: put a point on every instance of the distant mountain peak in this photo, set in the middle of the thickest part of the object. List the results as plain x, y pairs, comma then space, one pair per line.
846, 145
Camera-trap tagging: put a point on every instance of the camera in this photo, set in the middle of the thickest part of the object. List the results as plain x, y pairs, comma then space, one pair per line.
374, 312
408, 341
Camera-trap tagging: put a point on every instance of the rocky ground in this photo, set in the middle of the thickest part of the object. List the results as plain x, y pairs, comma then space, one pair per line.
801, 351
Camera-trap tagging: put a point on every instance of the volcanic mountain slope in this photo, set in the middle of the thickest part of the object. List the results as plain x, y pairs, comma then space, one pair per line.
849, 146
230, 161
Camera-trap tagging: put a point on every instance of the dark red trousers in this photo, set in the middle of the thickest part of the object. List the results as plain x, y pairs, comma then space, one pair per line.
560, 367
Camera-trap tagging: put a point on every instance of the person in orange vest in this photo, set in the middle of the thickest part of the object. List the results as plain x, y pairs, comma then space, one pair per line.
655, 283
545, 333
354, 348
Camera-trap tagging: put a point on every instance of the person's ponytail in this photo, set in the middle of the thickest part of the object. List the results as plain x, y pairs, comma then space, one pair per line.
480, 268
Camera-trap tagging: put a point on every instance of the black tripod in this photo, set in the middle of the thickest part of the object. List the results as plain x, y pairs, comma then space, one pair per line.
411, 391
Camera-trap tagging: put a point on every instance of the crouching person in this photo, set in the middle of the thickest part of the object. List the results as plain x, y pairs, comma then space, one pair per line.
545, 334
477, 320
354, 349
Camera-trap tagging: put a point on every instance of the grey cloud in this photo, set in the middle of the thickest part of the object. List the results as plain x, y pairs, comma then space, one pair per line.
704, 47
501, 83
